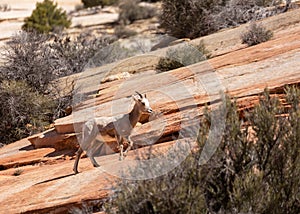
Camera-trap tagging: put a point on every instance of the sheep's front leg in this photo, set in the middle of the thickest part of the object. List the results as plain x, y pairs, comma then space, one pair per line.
129, 146
94, 162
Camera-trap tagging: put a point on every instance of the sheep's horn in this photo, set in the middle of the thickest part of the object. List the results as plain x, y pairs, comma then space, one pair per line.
139, 94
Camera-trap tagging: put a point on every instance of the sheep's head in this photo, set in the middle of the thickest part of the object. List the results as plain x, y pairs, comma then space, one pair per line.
142, 102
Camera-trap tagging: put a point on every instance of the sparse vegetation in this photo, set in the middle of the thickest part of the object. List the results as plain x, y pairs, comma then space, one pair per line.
188, 19
79, 7
102, 3
192, 19
18, 172
109, 2
27, 58
268, 3
74, 54
32, 64
4, 7
130, 11
151, 1
24, 111
256, 34
111, 53
182, 55
256, 168
122, 31
47, 17
38, 60
91, 3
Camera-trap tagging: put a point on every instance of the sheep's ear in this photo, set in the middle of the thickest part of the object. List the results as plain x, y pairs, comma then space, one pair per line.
136, 98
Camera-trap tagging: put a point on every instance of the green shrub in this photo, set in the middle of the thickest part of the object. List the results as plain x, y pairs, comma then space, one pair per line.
182, 55
256, 34
180, 191
130, 11
269, 187
255, 169
46, 17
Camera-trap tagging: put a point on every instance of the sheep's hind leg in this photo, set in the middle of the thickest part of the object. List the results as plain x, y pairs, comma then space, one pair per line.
120, 143
78, 154
121, 152
92, 152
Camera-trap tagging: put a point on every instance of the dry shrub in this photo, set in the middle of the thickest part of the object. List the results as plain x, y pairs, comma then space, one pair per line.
188, 19
4, 7
38, 59
256, 34
192, 19
268, 3
182, 55
32, 63
122, 31
73, 55
18, 172
26, 58
130, 11
237, 12
102, 3
23, 112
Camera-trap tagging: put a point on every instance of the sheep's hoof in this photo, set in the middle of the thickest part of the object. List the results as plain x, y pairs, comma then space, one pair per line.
121, 158
95, 164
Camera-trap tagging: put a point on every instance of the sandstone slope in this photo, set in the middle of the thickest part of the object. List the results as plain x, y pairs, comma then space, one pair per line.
46, 183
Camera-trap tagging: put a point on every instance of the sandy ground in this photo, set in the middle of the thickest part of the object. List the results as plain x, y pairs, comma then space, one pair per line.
12, 20
47, 183
30, 4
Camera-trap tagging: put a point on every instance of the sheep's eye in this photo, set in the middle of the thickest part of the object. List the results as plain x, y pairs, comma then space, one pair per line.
143, 103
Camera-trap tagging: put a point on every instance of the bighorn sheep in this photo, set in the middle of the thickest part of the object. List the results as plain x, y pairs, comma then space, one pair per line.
119, 126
